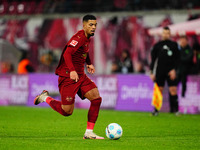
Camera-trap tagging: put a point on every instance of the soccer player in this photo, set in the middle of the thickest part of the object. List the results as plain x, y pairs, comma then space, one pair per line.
72, 79
165, 59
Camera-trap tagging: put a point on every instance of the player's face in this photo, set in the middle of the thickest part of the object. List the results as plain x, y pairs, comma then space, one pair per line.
90, 27
183, 42
166, 34
124, 55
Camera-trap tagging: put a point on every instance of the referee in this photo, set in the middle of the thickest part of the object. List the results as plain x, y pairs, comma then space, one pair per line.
164, 62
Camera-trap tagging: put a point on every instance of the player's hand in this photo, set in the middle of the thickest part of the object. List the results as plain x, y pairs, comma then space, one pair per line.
172, 74
74, 76
152, 77
90, 69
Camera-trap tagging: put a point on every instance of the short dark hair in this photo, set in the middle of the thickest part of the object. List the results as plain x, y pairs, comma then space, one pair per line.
89, 17
183, 37
166, 28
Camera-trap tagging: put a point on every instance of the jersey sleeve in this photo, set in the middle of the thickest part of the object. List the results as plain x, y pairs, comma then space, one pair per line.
88, 60
73, 45
153, 57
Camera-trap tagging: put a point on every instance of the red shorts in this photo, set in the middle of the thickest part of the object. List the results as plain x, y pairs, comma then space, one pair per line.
69, 88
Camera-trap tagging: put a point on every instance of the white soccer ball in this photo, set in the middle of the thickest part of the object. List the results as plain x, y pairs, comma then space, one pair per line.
114, 131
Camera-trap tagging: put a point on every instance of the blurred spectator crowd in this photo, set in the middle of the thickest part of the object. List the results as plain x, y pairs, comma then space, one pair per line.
74, 6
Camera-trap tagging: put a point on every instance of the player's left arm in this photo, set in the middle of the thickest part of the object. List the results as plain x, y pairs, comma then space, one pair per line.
90, 66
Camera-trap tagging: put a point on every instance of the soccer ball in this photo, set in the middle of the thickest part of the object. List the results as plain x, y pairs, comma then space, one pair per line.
113, 131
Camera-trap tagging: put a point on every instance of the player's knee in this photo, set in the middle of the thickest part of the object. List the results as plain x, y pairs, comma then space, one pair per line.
173, 91
95, 94
97, 101
173, 94
67, 110
68, 113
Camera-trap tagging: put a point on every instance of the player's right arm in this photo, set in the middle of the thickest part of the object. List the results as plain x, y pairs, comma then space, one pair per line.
153, 60
90, 67
72, 47
74, 76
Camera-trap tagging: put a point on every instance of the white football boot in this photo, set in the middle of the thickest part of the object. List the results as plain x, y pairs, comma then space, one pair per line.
91, 135
41, 98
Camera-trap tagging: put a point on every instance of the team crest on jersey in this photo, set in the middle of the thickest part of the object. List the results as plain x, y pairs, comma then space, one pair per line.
84, 55
69, 99
73, 43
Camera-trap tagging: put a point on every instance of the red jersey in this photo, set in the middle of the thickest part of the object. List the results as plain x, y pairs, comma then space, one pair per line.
74, 55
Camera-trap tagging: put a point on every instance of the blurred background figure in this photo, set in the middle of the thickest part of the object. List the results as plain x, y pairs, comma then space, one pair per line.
6, 67
47, 62
126, 64
139, 67
25, 65
196, 59
115, 67
186, 56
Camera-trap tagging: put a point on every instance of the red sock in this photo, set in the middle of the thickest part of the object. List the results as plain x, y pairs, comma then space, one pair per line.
90, 125
56, 105
93, 112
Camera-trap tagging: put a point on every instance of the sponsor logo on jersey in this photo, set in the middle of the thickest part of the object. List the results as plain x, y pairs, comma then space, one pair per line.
73, 43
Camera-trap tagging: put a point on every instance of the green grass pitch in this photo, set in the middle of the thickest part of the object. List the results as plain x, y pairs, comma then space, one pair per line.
24, 128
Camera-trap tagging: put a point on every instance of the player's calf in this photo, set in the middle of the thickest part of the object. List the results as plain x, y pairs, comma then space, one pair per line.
94, 110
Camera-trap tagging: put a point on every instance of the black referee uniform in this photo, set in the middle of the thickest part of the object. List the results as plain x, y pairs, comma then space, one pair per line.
165, 57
